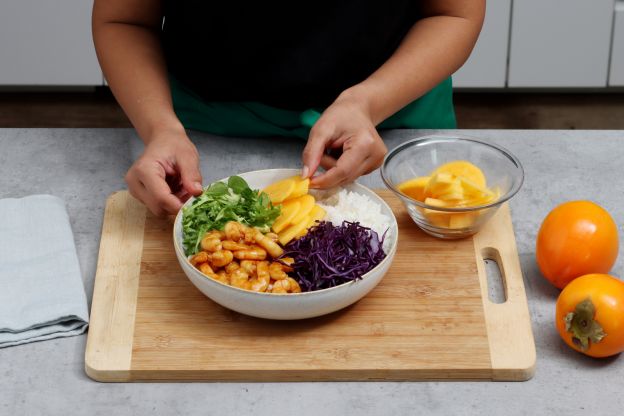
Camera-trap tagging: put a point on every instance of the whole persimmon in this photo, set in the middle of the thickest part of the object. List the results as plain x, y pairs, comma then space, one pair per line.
576, 238
590, 315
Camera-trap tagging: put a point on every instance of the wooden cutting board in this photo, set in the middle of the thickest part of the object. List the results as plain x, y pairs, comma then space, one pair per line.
429, 318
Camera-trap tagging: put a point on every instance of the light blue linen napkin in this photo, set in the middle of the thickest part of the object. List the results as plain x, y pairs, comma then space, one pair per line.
41, 291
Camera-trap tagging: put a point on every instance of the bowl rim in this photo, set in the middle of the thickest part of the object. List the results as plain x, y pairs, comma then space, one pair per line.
178, 246
438, 138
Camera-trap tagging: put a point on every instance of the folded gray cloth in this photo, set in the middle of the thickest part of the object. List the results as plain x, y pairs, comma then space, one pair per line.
41, 291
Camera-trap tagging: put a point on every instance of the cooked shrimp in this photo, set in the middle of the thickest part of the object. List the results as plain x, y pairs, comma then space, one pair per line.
254, 253
239, 278
276, 269
260, 283
201, 257
222, 258
211, 242
231, 267
233, 231
286, 263
272, 236
223, 277
216, 234
269, 245
249, 266
234, 246
288, 285
238, 232
219, 233
206, 269
249, 234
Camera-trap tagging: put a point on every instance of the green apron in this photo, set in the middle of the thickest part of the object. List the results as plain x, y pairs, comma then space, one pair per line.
433, 110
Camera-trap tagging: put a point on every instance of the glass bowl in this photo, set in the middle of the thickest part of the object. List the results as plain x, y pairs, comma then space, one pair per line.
419, 157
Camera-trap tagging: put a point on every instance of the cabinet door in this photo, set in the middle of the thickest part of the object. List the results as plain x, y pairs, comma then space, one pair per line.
560, 43
487, 65
616, 77
47, 42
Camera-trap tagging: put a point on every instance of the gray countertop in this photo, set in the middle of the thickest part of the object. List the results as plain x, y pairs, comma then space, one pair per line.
83, 166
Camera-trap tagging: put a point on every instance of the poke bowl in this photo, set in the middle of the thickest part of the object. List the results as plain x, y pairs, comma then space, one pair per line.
451, 185
315, 296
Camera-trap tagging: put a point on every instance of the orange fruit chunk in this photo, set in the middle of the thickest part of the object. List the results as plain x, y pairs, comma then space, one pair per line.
462, 168
289, 211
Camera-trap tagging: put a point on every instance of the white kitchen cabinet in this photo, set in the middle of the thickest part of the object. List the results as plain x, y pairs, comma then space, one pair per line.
616, 74
560, 43
487, 65
47, 42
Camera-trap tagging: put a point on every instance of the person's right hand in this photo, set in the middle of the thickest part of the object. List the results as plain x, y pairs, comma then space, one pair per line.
166, 174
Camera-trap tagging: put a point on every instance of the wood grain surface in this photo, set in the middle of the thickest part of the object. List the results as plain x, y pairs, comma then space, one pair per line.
111, 327
429, 318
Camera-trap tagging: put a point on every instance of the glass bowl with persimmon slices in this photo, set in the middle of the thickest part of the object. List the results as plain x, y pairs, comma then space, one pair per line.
452, 185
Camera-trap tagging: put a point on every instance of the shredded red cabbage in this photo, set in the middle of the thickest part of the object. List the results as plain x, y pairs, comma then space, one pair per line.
330, 255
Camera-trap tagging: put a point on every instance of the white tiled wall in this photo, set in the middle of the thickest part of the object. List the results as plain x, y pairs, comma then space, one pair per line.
47, 42
524, 43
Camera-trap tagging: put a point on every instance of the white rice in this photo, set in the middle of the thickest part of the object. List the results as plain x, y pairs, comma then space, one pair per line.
353, 207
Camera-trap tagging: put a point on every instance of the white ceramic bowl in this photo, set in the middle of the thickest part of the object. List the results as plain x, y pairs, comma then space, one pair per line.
294, 305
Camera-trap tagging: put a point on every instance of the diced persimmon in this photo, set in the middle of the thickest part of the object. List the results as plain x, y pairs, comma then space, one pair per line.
434, 202
461, 220
472, 189
437, 218
456, 184
484, 199
415, 188
462, 168
288, 212
454, 192
441, 183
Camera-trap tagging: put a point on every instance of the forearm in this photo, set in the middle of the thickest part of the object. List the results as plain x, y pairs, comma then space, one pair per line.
132, 60
434, 48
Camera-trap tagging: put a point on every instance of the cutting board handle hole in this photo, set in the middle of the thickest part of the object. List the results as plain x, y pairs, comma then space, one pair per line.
497, 289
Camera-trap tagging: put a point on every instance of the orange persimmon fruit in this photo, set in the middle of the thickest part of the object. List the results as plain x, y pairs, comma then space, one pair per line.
590, 315
576, 238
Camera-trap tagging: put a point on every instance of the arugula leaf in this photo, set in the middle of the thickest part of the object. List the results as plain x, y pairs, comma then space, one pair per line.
238, 184
222, 202
217, 189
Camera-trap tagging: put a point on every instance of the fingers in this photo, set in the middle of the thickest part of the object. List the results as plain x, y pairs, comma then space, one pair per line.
362, 154
146, 182
347, 169
320, 135
190, 175
328, 162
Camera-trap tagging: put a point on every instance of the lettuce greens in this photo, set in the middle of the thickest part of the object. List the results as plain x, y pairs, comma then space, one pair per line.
222, 202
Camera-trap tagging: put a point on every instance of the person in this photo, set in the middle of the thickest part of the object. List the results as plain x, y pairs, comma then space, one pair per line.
331, 72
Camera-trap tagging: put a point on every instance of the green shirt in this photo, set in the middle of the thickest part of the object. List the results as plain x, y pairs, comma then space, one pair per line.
434, 110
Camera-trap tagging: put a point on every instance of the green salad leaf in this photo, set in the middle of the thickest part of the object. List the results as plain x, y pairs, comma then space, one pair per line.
222, 202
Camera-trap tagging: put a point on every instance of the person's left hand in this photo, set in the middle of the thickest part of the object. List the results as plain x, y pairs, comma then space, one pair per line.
344, 127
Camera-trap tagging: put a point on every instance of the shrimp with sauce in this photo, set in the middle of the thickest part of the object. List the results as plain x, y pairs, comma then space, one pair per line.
261, 281
239, 278
244, 257
253, 253
222, 258
269, 245
288, 285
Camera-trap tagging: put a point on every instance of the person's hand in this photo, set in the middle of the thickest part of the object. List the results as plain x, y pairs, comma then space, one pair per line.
166, 174
345, 143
